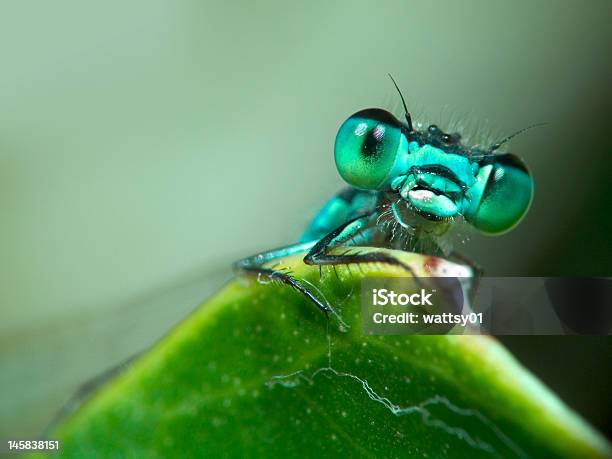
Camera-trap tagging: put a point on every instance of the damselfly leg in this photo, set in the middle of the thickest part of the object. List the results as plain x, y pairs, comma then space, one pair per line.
259, 265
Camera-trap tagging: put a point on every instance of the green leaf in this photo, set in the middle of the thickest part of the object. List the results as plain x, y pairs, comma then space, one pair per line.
259, 371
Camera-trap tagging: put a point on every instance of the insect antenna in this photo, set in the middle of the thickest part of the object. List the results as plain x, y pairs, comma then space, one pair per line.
406, 113
497, 145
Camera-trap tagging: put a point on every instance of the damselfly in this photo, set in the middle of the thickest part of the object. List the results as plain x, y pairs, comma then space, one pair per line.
408, 186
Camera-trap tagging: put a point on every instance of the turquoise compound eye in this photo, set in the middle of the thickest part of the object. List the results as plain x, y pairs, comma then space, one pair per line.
367, 147
506, 197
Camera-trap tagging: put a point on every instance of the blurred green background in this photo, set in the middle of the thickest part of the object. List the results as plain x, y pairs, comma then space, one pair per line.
144, 146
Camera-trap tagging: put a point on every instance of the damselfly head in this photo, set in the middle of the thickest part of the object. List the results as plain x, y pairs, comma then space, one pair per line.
435, 175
